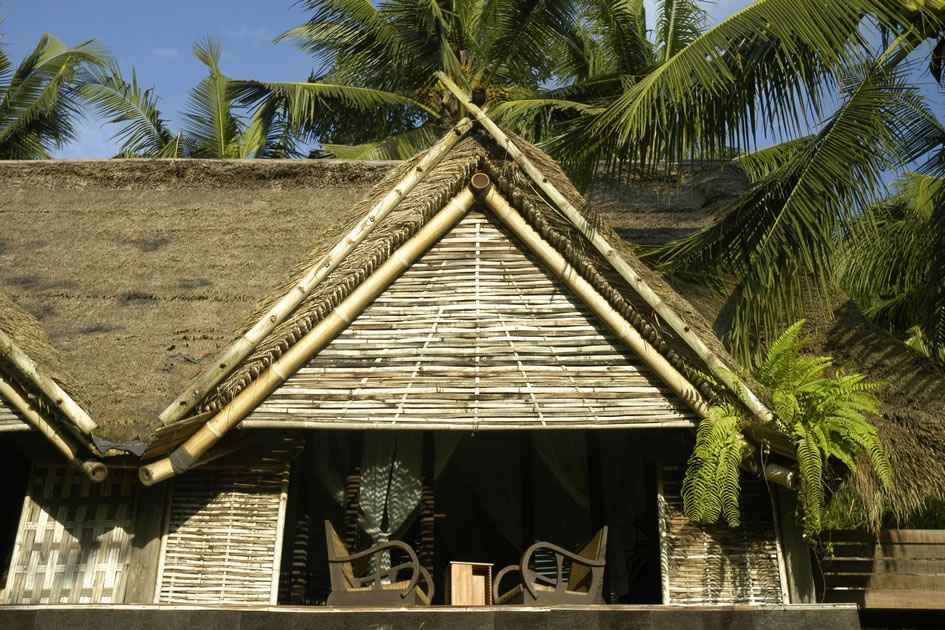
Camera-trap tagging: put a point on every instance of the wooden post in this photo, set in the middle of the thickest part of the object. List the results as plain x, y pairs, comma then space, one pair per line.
363, 295
146, 545
716, 366
93, 468
31, 372
528, 488
242, 347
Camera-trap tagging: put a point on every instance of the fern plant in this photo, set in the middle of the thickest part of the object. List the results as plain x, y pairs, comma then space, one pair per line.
824, 416
711, 485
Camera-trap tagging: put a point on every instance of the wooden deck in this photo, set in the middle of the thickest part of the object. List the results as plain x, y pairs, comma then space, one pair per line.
835, 617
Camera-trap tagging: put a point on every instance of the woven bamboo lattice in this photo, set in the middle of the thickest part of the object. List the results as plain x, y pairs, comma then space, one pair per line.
716, 564
10, 419
74, 539
474, 335
224, 533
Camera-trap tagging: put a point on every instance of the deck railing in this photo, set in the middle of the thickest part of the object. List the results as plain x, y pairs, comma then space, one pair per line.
896, 569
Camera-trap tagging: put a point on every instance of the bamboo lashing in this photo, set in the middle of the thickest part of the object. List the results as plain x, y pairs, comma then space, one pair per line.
243, 346
46, 385
94, 469
187, 453
718, 369
624, 331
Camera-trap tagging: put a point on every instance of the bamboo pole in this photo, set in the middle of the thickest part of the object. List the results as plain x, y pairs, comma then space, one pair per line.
616, 322
243, 346
30, 371
716, 366
94, 469
190, 451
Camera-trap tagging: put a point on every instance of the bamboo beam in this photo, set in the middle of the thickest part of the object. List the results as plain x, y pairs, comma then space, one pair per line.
625, 331
30, 371
716, 366
94, 469
242, 347
190, 451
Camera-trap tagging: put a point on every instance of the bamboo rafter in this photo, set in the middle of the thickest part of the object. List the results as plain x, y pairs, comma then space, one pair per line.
94, 469
242, 347
56, 395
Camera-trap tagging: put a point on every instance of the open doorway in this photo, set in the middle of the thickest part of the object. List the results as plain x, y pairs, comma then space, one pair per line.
494, 493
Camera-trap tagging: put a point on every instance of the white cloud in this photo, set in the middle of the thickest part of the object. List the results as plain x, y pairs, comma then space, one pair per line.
166, 52
261, 34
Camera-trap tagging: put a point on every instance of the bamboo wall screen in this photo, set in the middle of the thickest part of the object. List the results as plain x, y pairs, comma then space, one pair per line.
74, 539
10, 419
474, 335
223, 539
716, 564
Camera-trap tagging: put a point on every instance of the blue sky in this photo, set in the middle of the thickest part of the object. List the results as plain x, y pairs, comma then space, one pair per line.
156, 38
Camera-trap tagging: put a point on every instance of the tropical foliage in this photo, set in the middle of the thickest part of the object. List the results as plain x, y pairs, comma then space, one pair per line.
39, 104
825, 417
213, 128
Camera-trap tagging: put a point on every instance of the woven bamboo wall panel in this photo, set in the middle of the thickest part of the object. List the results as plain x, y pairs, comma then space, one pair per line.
474, 335
717, 564
10, 420
74, 540
223, 530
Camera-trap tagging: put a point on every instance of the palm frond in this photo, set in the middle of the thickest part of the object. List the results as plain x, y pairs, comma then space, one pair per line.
399, 147
711, 485
211, 126
678, 24
145, 133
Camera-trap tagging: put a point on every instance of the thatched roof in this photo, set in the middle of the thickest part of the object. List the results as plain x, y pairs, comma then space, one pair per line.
139, 269
476, 153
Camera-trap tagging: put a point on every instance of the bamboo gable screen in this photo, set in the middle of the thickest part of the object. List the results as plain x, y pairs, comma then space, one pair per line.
74, 540
475, 335
223, 535
717, 564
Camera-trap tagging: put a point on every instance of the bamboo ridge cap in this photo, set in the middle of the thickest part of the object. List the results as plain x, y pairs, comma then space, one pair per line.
716, 366
226, 363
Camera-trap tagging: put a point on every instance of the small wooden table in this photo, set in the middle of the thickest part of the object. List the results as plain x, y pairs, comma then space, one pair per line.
470, 583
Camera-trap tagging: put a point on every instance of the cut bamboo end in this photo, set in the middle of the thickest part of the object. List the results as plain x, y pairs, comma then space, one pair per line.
156, 472
95, 470
242, 347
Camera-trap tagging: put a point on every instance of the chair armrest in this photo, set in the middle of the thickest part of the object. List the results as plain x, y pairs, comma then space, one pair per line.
378, 574
498, 578
529, 577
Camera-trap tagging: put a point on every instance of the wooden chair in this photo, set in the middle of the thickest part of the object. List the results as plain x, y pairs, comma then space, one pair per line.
371, 590
584, 585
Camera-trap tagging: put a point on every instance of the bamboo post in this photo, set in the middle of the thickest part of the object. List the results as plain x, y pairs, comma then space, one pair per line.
46, 385
243, 346
190, 451
625, 331
94, 469
718, 368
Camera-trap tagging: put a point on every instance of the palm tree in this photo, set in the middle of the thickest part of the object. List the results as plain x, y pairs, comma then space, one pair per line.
39, 104
212, 128
375, 95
